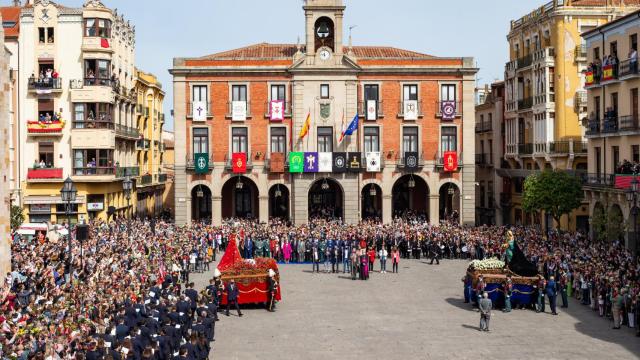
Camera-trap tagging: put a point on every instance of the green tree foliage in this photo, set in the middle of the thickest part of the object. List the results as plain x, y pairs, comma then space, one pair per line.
17, 217
555, 192
609, 225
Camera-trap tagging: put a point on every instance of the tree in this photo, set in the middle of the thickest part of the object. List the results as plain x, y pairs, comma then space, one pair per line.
555, 192
17, 217
609, 225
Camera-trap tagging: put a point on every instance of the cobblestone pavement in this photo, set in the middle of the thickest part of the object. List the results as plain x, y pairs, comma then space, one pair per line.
416, 314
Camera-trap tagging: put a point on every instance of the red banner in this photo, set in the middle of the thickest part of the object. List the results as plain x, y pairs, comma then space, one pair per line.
450, 161
239, 163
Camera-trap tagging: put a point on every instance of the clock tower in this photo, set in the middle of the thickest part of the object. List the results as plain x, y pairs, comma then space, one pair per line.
324, 30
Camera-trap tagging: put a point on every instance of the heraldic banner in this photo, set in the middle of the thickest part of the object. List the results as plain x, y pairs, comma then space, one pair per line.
450, 161
296, 162
201, 163
239, 163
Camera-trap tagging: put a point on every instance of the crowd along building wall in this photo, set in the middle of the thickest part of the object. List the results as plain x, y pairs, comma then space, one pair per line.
240, 114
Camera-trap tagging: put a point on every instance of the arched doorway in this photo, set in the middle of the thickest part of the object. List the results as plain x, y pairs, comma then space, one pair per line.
371, 202
201, 203
279, 202
616, 223
240, 198
325, 199
410, 196
449, 202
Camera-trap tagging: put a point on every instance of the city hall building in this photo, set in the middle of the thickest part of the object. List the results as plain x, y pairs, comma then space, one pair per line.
259, 130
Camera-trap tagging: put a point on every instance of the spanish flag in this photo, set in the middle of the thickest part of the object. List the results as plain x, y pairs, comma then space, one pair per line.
305, 128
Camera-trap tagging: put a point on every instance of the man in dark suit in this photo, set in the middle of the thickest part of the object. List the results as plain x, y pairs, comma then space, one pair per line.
192, 294
232, 297
552, 294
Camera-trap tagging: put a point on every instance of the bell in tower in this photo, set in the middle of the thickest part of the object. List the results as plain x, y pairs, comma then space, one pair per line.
324, 25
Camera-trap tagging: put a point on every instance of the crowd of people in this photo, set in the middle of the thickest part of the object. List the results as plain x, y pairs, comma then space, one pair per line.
126, 292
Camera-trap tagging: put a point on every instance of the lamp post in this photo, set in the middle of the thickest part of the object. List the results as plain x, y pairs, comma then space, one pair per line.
127, 185
68, 193
632, 199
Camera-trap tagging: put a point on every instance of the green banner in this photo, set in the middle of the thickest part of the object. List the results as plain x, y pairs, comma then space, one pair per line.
296, 162
201, 163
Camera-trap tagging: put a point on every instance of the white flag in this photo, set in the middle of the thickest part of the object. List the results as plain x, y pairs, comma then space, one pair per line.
238, 110
410, 109
325, 160
373, 161
199, 111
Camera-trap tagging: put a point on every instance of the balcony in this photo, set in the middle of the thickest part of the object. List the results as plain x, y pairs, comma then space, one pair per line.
45, 86
94, 171
628, 123
238, 112
510, 69
362, 109
162, 178
544, 99
127, 132
628, 68
96, 43
484, 127
483, 159
609, 73
581, 101
441, 111
45, 128
133, 171
525, 104
92, 90
592, 78
525, 149
525, 62
559, 147
546, 56
229, 166
440, 161
191, 164
190, 110
511, 106
401, 108
102, 124
610, 125
44, 174
580, 53
401, 161
267, 110
593, 127
598, 180
146, 180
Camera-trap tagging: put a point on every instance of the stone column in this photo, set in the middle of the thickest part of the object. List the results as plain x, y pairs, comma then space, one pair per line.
263, 202
387, 216
216, 210
468, 190
434, 209
181, 191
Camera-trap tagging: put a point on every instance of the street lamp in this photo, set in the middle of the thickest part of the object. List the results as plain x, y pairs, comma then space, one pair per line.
127, 185
68, 193
632, 199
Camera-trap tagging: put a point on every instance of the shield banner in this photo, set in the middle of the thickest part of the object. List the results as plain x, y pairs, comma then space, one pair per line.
373, 161
311, 162
354, 162
372, 110
296, 162
325, 160
410, 110
411, 160
201, 163
450, 161
448, 110
276, 110
325, 111
339, 162
239, 163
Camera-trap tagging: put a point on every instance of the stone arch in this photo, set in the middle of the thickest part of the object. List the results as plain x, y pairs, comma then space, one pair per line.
326, 198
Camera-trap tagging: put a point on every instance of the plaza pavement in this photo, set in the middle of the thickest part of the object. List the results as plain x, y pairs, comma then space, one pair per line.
416, 314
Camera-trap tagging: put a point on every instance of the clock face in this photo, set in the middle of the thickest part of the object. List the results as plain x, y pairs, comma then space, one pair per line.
325, 55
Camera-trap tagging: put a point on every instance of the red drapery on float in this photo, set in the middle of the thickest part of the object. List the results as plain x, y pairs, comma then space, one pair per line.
231, 255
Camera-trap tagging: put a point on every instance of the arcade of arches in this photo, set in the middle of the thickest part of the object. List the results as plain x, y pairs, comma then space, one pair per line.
241, 198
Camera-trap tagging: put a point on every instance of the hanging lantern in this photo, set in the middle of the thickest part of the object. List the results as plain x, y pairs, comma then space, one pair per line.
373, 191
239, 184
278, 193
451, 191
200, 193
411, 183
325, 185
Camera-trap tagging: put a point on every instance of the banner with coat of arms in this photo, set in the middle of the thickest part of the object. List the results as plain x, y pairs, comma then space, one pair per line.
325, 111
339, 162
448, 110
450, 161
276, 110
239, 163
373, 161
201, 163
296, 162
310, 162
372, 110
238, 110
410, 109
411, 160
325, 160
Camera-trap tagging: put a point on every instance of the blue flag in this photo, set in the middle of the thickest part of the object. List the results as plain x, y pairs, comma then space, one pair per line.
353, 126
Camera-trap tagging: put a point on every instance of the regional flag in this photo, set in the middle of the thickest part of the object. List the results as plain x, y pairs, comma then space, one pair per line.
296, 162
305, 128
239, 163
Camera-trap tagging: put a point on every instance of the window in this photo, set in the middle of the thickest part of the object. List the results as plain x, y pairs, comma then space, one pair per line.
325, 139
633, 42
598, 160
448, 138
324, 91
482, 202
78, 116
239, 92
62, 208
520, 131
410, 92
371, 92
278, 92
490, 159
97, 72
371, 139
448, 92
490, 194
278, 139
635, 151
615, 150
410, 138
239, 140
93, 162
596, 53
97, 27
50, 37
200, 140
613, 48
42, 35
199, 93
45, 153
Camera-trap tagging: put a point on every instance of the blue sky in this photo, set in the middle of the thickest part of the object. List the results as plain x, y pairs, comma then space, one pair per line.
166, 29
